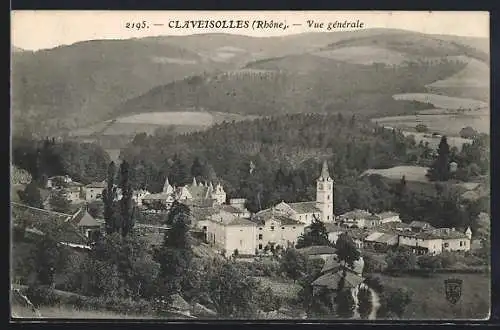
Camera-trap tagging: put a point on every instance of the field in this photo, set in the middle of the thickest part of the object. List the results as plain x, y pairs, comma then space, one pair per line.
67, 312
444, 121
441, 101
365, 55
179, 122
429, 299
411, 173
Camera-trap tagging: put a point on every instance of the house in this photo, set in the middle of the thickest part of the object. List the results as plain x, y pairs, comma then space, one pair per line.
421, 242
93, 191
389, 216
86, 224
57, 181
226, 231
74, 191
454, 240
318, 252
138, 195
302, 211
275, 228
380, 241
334, 231
330, 280
358, 235
359, 218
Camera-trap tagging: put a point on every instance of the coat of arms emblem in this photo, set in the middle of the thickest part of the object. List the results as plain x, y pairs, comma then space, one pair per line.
453, 289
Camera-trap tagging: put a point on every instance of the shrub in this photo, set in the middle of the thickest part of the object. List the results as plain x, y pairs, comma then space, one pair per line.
42, 296
421, 128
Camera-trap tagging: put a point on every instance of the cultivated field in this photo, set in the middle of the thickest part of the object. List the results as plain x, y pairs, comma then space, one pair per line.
429, 298
365, 55
475, 74
441, 101
178, 121
446, 124
411, 173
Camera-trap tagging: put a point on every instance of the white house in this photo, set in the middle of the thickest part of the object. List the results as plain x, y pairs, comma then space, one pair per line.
93, 191
435, 241
275, 228
226, 231
389, 216
359, 218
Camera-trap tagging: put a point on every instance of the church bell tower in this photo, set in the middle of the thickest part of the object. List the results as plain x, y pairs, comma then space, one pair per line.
324, 194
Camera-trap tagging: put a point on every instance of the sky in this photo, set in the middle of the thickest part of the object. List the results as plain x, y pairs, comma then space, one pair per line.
35, 30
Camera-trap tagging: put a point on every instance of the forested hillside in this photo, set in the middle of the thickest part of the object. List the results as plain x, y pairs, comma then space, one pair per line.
272, 159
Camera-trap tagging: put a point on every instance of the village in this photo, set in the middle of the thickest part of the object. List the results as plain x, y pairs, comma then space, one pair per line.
227, 228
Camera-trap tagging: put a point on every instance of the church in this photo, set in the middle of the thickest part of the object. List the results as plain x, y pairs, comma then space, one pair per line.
231, 228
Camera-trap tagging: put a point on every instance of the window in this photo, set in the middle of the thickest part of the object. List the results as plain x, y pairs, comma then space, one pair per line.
328, 197
282, 227
260, 228
260, 246
294, 227
241, 242
272, 228
328, 217
446, 245
260, 236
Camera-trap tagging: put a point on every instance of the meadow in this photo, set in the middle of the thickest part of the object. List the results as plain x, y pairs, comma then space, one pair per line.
442, 101
411, 173
429, 298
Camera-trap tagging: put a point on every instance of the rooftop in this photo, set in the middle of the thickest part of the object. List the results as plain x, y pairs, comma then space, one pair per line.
317, 249
388, 214
331, 280
379, 237
356, 214
304, 207
96, 185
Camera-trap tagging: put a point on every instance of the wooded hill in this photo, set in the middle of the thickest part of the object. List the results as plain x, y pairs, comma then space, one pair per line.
87, 82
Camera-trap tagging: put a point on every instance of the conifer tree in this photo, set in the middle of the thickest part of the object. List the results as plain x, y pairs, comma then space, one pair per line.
108, 197
126, 207
440, 169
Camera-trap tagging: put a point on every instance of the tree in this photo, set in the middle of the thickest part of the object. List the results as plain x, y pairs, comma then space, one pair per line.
316, 234
268, 301
346, 250
31, 195
96, 209
108, 197
394, 302
401, 260
48, 256
293, 264
197, 170
430, 263
233, 292
440, 169
175, 254
59, 202
364, 302
344, 302
421, 128
126, 208
468, 133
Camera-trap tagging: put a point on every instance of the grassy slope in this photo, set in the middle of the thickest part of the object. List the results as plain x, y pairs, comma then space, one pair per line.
429, 299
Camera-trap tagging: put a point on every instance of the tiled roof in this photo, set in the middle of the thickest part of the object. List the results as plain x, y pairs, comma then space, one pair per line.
331, 280
420, 224
159, 196
356, 215
269, 214
304, 207
388, 214
357, 233
332, 263
96, 185
318, 249
198, 202
232, 209
237, 221
379, 237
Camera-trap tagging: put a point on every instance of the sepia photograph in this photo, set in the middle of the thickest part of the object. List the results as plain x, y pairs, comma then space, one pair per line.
250, 165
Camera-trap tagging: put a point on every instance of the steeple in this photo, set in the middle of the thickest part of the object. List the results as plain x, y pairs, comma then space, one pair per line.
167, 188
325, 175
194, 182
